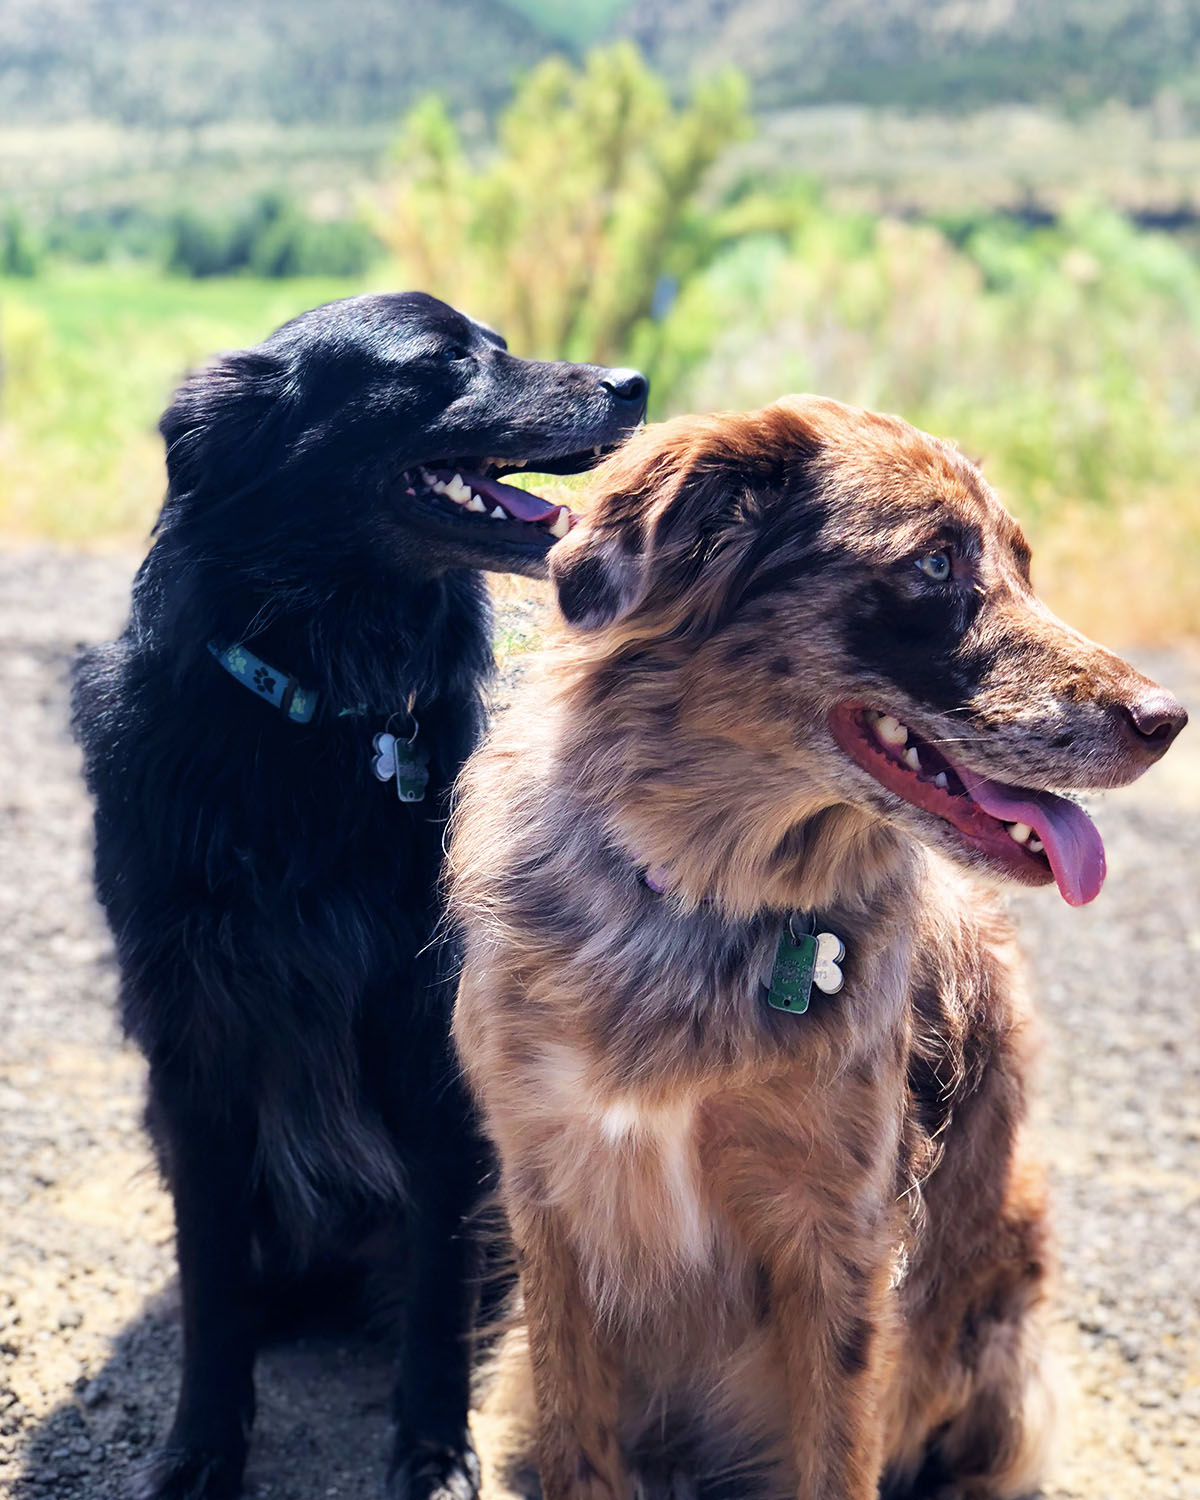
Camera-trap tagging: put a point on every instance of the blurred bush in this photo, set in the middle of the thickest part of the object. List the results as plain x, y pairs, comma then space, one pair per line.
20, 255
1065, 356
587, 212
268, 235
270, 238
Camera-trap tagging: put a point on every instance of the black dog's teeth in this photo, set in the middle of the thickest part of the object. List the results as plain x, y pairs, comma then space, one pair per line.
460, 492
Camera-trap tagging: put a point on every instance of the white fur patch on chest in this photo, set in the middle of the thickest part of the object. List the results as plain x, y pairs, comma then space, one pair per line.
664, 1135
630, 1165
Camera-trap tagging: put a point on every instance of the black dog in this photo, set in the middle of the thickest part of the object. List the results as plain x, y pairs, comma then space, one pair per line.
270, 745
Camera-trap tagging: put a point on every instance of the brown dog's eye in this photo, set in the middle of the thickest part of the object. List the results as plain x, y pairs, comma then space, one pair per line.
936, 565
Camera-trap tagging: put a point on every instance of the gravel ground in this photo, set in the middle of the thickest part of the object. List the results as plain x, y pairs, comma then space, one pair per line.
88, 1325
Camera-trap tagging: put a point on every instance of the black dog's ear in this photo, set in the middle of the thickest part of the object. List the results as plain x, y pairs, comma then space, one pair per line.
678, 518
225, 429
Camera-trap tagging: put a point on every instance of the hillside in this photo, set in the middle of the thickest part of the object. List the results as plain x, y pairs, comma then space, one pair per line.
933, 54
159, 63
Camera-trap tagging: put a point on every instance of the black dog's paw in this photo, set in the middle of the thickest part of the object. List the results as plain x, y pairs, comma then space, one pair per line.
432, 1471
189, 1474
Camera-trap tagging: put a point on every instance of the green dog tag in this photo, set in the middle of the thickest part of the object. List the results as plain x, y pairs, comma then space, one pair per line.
800, 962
406, 760
412, 772
792, 976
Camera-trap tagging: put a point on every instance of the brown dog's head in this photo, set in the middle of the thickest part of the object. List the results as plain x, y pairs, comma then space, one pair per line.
826, 616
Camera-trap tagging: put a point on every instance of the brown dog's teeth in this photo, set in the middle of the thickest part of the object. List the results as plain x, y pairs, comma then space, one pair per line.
891, 731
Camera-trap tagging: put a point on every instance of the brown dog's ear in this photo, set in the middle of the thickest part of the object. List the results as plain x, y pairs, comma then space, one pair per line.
597, 577
678, 521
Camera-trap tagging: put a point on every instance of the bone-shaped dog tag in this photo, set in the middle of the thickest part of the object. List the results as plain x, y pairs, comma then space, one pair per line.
827, 976
800, 962
383, 751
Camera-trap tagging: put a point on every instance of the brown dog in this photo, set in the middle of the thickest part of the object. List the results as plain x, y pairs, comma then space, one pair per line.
770, 1253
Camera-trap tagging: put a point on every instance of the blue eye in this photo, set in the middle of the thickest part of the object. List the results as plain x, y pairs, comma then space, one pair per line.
935, 565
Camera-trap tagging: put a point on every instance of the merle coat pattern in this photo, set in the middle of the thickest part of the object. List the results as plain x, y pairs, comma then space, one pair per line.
274, 906
800, 670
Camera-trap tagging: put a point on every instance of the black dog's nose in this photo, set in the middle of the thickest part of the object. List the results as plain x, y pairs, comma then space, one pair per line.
627, 385
1156, 720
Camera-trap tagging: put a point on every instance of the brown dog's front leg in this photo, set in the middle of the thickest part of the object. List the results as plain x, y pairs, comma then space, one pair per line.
576, 1370
831, 1323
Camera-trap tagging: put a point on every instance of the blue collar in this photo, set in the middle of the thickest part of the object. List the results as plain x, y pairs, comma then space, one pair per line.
265, 682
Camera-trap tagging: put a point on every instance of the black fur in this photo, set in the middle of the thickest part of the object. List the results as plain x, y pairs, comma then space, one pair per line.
275, 908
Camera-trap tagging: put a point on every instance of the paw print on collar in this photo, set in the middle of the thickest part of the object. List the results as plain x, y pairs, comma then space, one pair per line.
263, 681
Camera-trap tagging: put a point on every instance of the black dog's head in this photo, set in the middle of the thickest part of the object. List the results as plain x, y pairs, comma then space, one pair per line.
381, 425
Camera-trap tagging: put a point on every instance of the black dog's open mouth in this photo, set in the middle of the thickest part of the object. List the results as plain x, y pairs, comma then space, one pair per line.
472, 490
1029, 835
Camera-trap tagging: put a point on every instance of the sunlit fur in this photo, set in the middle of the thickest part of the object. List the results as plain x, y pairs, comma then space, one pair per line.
766, 1253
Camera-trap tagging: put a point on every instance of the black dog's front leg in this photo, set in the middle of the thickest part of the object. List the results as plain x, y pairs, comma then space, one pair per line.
433, 1457
210, 1165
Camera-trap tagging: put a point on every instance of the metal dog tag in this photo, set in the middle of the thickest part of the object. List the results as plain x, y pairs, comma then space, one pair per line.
792, 976
412, 772
802, 960
407, 761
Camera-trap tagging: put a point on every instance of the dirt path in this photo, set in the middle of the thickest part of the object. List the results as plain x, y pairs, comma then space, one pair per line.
88, 1334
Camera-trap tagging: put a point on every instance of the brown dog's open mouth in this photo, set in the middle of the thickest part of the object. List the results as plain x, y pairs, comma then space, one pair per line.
1031, 836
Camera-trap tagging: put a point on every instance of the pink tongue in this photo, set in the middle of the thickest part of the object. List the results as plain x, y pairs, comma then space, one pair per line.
520, 504
1072, 842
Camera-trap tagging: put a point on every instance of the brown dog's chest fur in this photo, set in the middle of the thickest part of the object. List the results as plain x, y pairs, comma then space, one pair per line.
657, 1158
695, 1147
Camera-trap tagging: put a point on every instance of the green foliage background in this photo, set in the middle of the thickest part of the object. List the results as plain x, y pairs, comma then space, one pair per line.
607, 209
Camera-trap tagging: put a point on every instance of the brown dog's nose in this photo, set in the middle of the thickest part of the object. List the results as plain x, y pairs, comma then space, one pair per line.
1155, 720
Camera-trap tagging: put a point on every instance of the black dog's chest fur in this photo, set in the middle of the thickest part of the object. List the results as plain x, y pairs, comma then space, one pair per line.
275, 905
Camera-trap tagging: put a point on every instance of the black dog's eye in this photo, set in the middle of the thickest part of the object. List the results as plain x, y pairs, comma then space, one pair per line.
454, 352
936, 565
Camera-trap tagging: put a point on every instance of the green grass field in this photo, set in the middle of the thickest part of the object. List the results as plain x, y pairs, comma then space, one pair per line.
89, 360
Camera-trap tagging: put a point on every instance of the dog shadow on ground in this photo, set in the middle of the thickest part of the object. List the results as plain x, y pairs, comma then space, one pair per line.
321, 1431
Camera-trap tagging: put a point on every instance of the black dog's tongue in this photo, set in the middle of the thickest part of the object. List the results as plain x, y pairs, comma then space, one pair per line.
520, 504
